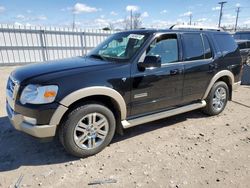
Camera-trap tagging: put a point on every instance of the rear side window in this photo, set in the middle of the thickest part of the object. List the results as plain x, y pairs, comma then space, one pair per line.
193, 46
226, 43
207, 49
196, 47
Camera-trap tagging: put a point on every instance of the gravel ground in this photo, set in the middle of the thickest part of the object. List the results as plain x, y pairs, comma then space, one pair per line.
188, 150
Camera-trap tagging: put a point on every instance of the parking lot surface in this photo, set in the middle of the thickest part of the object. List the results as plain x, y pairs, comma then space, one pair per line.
188, 150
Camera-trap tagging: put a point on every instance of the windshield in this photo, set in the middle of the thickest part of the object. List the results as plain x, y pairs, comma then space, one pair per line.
119, 47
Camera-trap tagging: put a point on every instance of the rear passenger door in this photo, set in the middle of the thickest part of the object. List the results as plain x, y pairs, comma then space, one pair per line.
199, 66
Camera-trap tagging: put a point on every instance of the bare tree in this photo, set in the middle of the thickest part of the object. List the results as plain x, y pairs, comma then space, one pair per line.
137, 21
126, 23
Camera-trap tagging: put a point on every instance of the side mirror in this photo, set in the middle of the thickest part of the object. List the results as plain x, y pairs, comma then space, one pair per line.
151, 62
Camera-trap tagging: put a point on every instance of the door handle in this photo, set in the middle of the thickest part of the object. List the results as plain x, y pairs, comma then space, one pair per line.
175, 71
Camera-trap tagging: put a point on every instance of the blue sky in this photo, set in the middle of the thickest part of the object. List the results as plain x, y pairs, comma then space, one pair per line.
101, 13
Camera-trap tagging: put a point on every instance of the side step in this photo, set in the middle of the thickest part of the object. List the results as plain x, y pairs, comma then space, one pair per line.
145, 119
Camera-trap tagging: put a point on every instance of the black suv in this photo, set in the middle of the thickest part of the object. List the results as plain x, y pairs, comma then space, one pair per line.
132, 78
242, 35
244, 46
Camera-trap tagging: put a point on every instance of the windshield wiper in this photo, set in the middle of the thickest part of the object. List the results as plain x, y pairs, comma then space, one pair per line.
97, 56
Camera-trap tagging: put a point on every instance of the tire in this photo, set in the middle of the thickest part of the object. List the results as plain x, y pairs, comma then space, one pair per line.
87, 130
216, 102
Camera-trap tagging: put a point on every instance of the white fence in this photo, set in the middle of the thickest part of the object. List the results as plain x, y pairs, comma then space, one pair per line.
22, 45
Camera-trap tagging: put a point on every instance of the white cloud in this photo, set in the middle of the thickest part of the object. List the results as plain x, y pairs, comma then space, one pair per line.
29, 11
247, 21
202, 20
2, 9
132, 8
145, 14
164, 11
82, 8
20, 16
41, 17
22, 24
186, 14
30, 18
161, 24
113, 13
216, 8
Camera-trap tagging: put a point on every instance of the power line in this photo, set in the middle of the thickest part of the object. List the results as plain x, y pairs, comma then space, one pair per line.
221, 8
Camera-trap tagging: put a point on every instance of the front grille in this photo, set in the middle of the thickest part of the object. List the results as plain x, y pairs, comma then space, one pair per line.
12, 87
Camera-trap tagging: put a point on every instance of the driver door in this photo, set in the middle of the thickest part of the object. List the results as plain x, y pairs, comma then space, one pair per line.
156, 89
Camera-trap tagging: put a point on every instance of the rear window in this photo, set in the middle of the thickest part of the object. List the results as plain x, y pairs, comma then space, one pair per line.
226, 43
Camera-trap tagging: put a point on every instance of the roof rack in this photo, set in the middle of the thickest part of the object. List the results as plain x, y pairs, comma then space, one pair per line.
194, 27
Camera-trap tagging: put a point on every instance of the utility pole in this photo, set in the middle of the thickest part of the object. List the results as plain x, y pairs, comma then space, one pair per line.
74, 20
131, 19
237, 17
221, 7
190, 18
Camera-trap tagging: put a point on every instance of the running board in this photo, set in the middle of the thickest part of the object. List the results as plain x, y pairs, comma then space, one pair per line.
145, 119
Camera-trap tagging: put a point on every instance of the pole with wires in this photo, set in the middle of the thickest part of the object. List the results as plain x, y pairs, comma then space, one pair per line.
237, 17
221, 13
131, 19
190, 18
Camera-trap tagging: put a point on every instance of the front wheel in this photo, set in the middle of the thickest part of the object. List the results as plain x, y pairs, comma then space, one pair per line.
217, 99
87, 130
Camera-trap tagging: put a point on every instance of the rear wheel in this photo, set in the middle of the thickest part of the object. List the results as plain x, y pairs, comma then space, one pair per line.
217, 99
87, 130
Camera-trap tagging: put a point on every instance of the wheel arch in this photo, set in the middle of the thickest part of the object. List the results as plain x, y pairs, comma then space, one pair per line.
97, 93
225, 76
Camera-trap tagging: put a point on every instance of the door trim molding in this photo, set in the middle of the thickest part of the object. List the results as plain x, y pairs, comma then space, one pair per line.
145, 119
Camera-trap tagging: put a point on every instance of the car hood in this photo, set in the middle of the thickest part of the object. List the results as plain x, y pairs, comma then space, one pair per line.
39, 69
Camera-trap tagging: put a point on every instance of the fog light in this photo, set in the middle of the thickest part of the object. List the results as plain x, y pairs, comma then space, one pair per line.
29, 120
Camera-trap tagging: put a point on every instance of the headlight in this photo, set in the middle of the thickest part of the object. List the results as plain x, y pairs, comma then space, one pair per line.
36, 94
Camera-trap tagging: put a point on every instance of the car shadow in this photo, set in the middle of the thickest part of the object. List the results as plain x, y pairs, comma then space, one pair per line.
18, 149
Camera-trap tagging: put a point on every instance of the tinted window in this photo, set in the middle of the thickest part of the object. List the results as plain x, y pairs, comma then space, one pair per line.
226, 43
166, 47
236, 36
242, 36
193, 47
248, 44
207, 49
242, 45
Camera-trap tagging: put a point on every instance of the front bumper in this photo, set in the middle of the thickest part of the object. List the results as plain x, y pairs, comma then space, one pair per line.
19, 123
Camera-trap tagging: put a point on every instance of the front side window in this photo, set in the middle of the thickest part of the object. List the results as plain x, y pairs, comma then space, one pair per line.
193, 46
119, 47
166, 47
